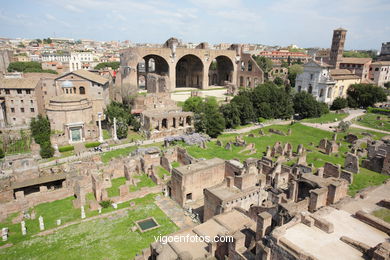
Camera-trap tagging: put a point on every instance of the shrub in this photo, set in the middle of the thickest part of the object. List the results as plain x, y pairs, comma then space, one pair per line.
47, 150
339, 103
2, 154
92, 144
105, 203
66, 148
382, 111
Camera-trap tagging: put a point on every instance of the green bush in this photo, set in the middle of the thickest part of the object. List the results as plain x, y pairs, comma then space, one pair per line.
92, 144
66, 148
382, 111
105, 203
339, 103
47, 151
2, 154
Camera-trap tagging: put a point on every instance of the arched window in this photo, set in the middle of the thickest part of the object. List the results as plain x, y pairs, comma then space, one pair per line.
310, 90
82, 90
242, 66
249, 66
329, 92
241, 81
321, 92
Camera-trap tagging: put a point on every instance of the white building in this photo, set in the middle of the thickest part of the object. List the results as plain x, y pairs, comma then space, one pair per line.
324, 83
78, 60
380, 72
62, 57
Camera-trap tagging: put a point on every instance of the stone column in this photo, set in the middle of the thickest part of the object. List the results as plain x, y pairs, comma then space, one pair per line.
172, 74
41, 224
146, 73
24, 230
205, 80
4, 234
115, 137
82, 212
100, 128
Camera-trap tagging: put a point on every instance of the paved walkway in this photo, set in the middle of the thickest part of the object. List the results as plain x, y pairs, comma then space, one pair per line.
352, 115
250, 128
92, 153
174, 212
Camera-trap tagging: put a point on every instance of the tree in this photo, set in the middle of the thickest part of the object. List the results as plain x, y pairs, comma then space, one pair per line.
289, 60
387, 85
231, 114
39, 41
215, 122
113, 65
208, 118
121, 128
339, 103
293, 71
365, 95
306, 106
245, 109
278, 81
193, 104
123, 114
264, 63
40, 129
47, 150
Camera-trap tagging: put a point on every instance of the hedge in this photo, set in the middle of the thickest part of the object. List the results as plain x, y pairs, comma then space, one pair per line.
66, 148
92, 144
382, 111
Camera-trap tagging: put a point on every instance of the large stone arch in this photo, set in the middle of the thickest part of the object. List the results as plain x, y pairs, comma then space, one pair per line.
151, 63
190, 71
223, 71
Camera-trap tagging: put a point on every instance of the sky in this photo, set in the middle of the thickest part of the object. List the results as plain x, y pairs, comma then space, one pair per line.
306, 23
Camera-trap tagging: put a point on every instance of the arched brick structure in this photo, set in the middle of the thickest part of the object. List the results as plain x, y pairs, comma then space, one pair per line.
172, 53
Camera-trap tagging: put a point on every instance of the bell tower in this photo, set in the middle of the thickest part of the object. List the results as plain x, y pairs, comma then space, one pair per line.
336, 51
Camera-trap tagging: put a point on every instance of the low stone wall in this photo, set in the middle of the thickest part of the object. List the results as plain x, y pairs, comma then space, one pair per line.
34, 199
373, 221
137, 194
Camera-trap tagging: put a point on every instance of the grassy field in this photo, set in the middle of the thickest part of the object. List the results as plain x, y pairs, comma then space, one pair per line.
382, 214
104, 238
114, 189
308, 136
327, 118
370, 120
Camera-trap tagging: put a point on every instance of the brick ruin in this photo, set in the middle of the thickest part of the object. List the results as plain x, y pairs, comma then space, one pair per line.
160, 116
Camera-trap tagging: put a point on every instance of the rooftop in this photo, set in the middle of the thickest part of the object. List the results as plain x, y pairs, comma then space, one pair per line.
19, 83
87, 75
201, 165
318, 243
351, 60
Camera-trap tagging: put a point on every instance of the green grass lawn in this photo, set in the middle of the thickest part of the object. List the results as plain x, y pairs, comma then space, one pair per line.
106, 134
104, 238
175, 164
327, 118
300, 135
370, 120
382, 214
161, 171
145, 181
107, 156
114, 189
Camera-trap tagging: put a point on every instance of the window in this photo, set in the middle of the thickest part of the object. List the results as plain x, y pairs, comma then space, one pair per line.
311, 76
32, 110
376, 69
19, 91
14, 119
22, 109
189, 196
45, 92
12, 101
321, 92
7, 91
28, 91
310, 90
22, 101
12, 110
32, 101
82, 90
249, 66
